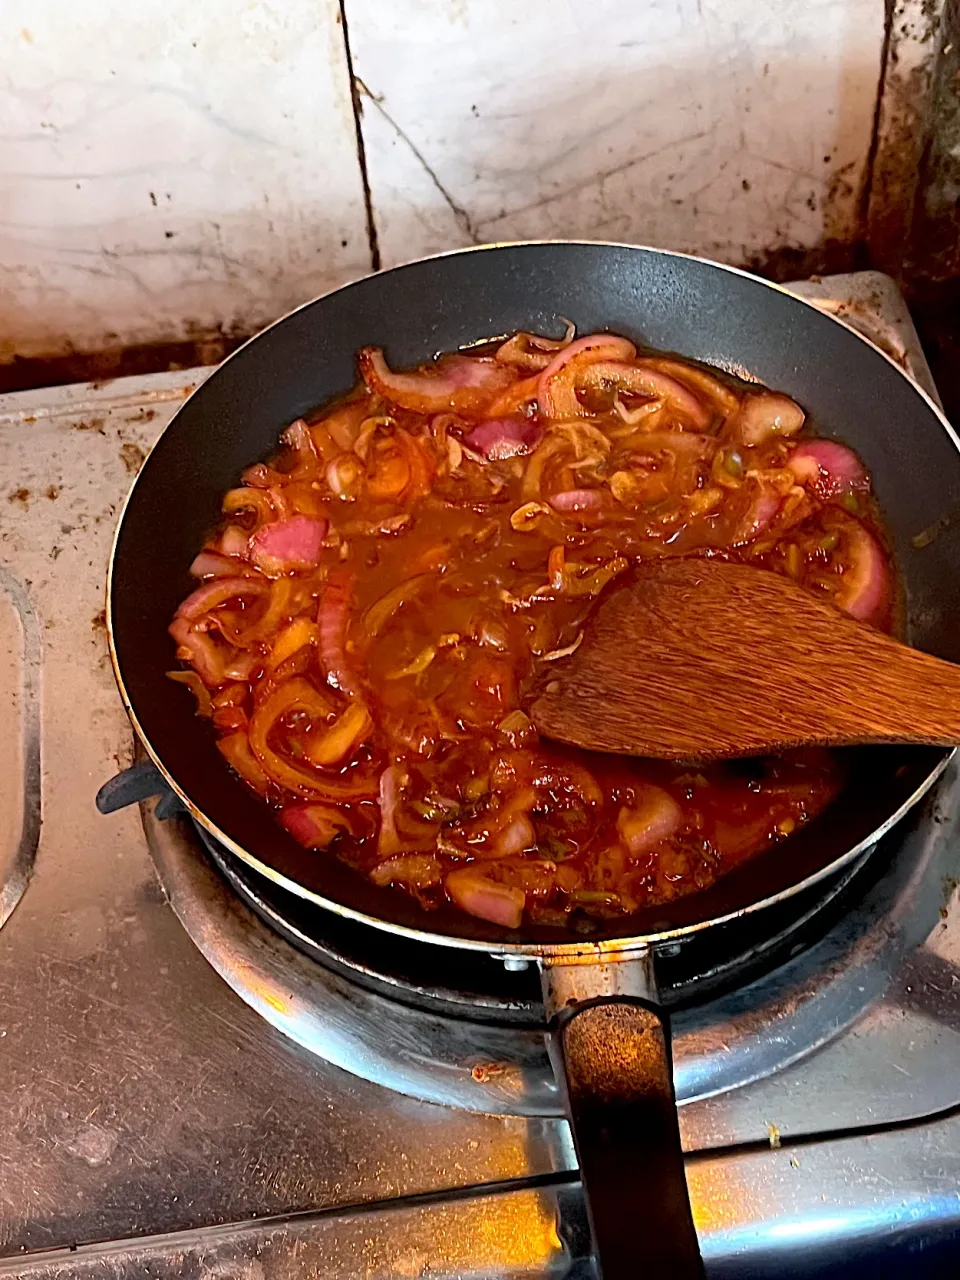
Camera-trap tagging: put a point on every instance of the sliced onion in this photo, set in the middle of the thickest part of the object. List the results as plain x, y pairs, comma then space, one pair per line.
686, 452
504, 437
591, 582
343, 423
685, 444
296, 694
633, 417
626, 487
530, 351
421, 464
398, 467
519, 398
249, 499
388, 839
764, 414
635, 380
234, 541
382, 610
556, 392
527, 517
698, 380
332, 621
516, 835
212, 564
218, 591
416, 666
299, 438
520, 352
230, 719
440, 424
344, 475
550, 446
454, 454
831, 469
763, 509
576, 500
242, 665
338, 742
368, 429
284, 601
459, 383
390, 475
260, 476
554, 654
417, 870
287, 545
480, 896
653, 817
199, 649
590, 444
230, 695
865, 587
516, 724
315, 826
235, 748
305, 498
293, 695
280, 501
327, 447
295, 636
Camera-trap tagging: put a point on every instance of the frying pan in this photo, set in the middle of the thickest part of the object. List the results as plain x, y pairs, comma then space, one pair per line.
609, 1040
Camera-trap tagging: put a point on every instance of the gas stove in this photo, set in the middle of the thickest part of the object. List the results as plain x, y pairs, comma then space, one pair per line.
199, 1077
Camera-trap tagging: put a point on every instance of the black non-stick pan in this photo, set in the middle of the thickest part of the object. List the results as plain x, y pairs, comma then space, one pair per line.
609, 1039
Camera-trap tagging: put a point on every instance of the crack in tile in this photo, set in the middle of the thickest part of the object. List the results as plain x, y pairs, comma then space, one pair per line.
598, 178
462, 217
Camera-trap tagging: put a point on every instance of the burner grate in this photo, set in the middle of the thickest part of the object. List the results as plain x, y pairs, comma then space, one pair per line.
375, 1004
480, 987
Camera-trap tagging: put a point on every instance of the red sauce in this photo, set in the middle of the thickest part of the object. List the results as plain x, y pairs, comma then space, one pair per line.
382, 594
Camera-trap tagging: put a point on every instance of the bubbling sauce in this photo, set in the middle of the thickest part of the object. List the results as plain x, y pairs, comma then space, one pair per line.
381, 595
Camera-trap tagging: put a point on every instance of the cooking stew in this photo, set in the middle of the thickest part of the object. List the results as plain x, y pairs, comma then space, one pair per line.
382, 594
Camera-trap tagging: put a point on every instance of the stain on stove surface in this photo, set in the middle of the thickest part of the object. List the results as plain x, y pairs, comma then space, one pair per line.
133, 457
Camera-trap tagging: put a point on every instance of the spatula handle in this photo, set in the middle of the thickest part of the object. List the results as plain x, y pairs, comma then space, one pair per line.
905, 696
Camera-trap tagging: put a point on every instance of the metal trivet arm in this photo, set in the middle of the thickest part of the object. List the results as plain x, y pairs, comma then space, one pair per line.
141, 781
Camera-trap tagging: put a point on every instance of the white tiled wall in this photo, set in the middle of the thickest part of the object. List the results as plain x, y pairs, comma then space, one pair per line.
169, 167
726, 127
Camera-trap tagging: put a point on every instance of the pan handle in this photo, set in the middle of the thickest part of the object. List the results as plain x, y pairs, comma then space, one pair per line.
609, 1044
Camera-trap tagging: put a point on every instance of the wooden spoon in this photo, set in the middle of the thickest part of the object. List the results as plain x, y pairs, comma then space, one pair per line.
701, 660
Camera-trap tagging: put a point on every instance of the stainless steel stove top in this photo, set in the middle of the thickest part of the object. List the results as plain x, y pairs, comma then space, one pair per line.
158, 1120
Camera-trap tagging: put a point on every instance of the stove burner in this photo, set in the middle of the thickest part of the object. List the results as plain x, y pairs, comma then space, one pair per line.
462, 1030
482, 988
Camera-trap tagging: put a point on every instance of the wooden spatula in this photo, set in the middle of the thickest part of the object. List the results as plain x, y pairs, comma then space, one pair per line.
701, 660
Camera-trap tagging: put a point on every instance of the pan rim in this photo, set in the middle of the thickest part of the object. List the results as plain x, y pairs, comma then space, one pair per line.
608, 947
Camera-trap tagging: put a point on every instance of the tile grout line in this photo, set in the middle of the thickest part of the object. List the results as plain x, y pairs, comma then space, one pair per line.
372, 237
866, 192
